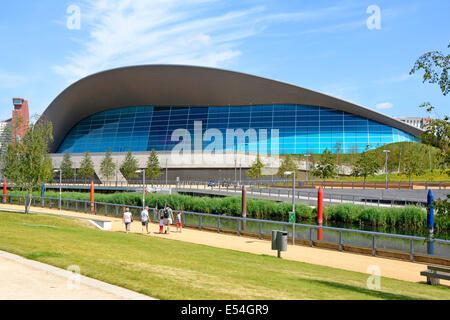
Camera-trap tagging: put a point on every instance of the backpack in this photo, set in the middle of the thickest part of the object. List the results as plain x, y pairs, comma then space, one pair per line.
166, 213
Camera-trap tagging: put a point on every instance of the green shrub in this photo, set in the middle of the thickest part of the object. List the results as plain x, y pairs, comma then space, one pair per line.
410, 217
372, 216
343, 213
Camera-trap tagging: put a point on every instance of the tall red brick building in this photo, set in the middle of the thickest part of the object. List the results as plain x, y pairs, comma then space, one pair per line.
20, 118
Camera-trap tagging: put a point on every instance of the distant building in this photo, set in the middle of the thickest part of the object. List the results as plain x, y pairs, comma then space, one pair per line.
17, 125
415, 122
20, 118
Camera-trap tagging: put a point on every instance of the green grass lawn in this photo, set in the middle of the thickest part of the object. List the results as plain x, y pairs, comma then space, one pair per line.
169, 269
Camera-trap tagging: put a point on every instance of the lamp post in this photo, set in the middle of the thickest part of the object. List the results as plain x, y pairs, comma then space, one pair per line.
60, 182
143, 187
385, 168
166, 172
292, 215
240, 171
307, 169
235, 169
287, 173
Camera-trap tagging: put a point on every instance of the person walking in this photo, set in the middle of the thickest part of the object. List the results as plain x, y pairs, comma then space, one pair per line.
127, 219
179, 224
161, 220
144, 219
168, 218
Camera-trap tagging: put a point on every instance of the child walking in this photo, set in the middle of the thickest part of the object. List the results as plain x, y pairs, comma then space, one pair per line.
161, 221
179, 224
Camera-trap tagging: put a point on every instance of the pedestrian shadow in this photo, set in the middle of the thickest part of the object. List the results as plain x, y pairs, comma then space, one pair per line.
373, 293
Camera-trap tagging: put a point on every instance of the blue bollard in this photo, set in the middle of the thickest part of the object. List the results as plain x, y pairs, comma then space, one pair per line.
42, 191
430, 222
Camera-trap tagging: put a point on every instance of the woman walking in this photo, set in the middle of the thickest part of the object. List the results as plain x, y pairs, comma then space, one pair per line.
127, 219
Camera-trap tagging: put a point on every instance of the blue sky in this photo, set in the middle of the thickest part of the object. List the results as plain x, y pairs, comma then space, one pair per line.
321, 45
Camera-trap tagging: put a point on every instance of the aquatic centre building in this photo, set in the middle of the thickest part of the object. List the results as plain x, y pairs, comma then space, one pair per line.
170, 107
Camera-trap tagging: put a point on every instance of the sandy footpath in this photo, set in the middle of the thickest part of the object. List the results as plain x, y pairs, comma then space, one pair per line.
391, 268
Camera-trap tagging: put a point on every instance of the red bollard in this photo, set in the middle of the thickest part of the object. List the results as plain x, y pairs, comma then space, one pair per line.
244, 207
319, 213
4, 191
92, 197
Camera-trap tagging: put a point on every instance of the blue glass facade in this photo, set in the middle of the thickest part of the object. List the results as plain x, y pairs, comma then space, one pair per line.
302, 129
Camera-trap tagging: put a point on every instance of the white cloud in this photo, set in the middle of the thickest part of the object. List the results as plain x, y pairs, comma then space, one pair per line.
192, 32
384, 105
123, 32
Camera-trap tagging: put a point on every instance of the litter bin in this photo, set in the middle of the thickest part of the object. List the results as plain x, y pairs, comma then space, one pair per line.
279, 241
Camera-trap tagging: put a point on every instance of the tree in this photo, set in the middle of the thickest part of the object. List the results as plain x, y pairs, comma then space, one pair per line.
86, 170
255, 170
129, 166
325, 167
366, 165
436, 66
437, 132
412, 163
26, 162
353, 151
338, 151
288, 164
107, 167
66, 167
153, 170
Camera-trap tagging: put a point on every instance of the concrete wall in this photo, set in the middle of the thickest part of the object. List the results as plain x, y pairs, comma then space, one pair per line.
166, 160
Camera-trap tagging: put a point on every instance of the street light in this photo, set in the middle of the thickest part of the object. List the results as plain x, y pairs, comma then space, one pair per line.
143, 187
240, 171
166, 172
60, 182
385, 168
288, 173
307, 169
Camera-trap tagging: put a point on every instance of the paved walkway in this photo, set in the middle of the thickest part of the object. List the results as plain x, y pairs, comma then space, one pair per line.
391, 268
23, 279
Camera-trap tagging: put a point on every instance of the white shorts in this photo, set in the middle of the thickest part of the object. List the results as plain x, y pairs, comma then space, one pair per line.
167, 221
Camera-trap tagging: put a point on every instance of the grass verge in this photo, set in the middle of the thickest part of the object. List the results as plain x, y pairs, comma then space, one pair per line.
169, 269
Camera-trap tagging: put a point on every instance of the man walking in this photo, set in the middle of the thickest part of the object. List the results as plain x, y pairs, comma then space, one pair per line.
144, 219
168, 218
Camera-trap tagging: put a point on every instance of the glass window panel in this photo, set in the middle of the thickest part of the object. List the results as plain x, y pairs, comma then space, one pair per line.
144, 127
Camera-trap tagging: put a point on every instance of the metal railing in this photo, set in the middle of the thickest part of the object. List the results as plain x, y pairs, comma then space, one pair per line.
340, 236
281, 183
264, 191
